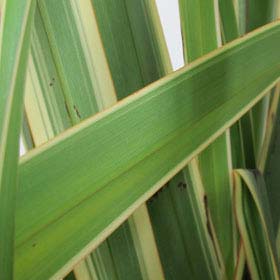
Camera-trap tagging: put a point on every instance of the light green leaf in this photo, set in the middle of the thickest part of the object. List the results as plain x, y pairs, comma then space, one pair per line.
201, 34
95, 171
255, 224
267, 160
179, 206
14, 45
258, 13
269, 164
47, 112
180, 213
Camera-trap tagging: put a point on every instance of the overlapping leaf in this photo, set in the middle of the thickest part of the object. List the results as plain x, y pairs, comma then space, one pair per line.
14, 44
156, 157
255, 224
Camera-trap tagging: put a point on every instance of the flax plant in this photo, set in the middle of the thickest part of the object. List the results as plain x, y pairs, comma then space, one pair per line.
133, 171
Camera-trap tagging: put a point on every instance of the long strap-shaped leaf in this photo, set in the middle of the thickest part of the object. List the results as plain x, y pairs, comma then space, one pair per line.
201, 32
181, 203
14, 45
133, 65
271, 158
251, 15
259, 13
230, 31
136, 23
255, 224
89, 171
44, 109
267, 160
135, 59
77, 34
47, 112
178, 212
49, 94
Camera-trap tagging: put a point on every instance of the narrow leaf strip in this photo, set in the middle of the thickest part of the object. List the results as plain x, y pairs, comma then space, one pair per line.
142, 231
264, 157
78, 22
269, 156
258, 13
240, 263
269, 163
140, 29
137, 24
255, 224
180, 213
175, 211
200, 23
241, 132
85, 270
14, 46
229, 25
204, 220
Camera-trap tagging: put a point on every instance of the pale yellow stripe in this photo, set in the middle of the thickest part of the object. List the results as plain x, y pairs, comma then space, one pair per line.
83, 272
94, 52
106, 97
142, 234
36, 110
217, 23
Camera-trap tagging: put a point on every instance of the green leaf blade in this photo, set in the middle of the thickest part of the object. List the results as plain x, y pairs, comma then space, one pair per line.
14, 45
255, 224
156, 157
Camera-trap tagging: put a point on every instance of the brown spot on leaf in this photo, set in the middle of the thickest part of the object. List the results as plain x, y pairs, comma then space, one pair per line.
182, 186
77, 111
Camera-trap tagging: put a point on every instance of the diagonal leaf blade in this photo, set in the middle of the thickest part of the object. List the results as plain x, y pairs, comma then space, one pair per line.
156, 157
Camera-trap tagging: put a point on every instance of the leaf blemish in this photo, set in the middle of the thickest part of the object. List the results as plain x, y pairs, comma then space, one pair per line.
182, 186
77, 111
205, 200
